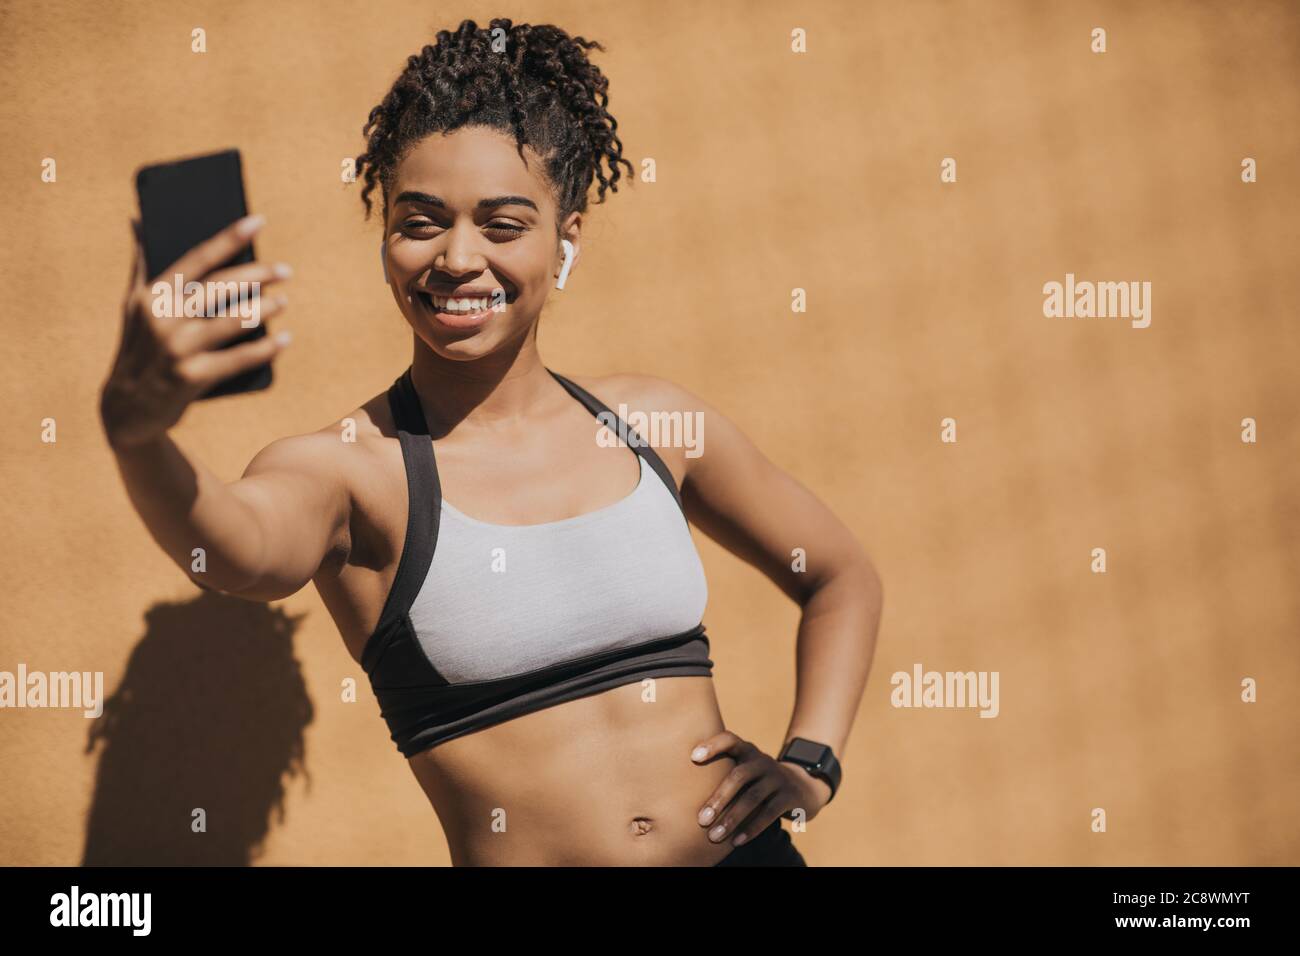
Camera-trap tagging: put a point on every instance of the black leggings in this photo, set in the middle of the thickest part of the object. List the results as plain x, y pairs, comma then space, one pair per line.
772, 847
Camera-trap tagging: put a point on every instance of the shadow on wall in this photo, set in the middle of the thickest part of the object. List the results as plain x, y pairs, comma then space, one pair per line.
209, 716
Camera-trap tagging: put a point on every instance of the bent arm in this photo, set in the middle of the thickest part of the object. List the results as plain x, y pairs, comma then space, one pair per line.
263, 536
760, 513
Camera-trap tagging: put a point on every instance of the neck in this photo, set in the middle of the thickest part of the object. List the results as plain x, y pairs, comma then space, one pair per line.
494, 390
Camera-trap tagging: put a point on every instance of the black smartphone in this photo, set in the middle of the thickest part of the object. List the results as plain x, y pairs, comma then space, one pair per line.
183, 203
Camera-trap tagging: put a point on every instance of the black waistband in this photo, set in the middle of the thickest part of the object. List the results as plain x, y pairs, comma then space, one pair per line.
423, 712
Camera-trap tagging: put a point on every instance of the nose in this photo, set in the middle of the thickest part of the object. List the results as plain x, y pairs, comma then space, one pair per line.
460, 254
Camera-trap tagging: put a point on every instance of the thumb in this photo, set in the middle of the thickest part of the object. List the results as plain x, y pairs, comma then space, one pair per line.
137, 276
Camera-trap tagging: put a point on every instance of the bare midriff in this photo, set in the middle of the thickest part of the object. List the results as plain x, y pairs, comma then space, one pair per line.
604, 780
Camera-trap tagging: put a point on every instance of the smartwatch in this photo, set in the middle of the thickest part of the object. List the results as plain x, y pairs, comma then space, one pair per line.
816, 758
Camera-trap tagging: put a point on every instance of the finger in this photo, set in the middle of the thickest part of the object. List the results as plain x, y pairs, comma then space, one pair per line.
160, 306
742, 815
242, 295
214, 251
132, 278
239, 293
710, 747
136, 293
740, 776
135, 281
198, 335
752, 818
208, 368
241, 290
133, 302
263, 273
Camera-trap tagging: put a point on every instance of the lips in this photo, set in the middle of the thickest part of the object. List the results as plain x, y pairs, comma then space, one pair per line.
458, 312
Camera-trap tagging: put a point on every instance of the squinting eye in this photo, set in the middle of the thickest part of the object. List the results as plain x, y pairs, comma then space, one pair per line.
505, 227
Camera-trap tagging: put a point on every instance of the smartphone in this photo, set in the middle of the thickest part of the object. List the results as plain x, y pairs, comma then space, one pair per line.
183, 203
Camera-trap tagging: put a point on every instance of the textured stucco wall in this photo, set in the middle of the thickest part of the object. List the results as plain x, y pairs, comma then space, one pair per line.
774, 171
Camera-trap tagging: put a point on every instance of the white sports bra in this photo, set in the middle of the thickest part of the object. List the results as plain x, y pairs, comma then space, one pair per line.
486, 622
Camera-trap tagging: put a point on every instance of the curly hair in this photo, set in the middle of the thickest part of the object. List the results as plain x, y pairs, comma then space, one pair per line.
530, 81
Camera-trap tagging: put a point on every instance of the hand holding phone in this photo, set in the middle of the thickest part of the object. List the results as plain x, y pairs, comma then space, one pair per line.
167, 358
182, 204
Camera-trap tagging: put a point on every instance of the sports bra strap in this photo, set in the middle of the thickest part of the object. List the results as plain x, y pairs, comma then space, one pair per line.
405, 403
626, 433
409, 416
424, 508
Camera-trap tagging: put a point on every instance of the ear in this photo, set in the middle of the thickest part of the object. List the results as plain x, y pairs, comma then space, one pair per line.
570, 235
568, 263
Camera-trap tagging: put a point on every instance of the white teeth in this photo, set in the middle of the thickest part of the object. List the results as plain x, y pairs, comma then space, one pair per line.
460, 305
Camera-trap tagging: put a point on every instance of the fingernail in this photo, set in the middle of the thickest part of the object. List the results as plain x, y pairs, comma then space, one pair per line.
706, 815
250, 224
281, 270
717, 832
283, 338
699, 753
740, 838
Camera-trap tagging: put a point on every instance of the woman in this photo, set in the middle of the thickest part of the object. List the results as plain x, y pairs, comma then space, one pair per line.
531, 626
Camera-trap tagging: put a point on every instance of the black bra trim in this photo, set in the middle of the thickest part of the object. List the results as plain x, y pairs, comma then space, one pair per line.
423, 713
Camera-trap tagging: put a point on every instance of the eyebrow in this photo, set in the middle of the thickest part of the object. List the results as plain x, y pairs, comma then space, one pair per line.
492, 203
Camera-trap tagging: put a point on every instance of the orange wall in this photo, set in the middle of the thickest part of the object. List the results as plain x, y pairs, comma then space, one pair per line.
775, 171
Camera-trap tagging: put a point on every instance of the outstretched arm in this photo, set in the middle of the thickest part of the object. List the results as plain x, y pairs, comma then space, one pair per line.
264, 536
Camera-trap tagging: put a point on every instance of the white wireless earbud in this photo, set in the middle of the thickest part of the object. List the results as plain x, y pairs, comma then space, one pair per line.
383, 259
568, 261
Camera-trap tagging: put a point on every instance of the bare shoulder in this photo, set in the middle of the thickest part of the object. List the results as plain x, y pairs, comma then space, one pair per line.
640, 392
682, 415
669, 416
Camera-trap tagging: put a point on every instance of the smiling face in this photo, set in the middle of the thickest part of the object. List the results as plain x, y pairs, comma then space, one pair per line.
470, 241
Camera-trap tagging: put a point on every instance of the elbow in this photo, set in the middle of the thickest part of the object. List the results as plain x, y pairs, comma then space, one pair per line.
270, 587
212, 588
868, 575
874, 573
853, 577
205, 581
260, 592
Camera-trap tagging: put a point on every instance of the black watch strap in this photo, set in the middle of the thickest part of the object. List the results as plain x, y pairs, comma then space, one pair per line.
818, 759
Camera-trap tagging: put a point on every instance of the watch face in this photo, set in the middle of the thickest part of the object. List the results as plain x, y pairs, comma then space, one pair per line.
805, 750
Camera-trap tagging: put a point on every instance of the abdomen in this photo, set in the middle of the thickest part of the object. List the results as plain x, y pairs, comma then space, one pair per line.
604, 780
